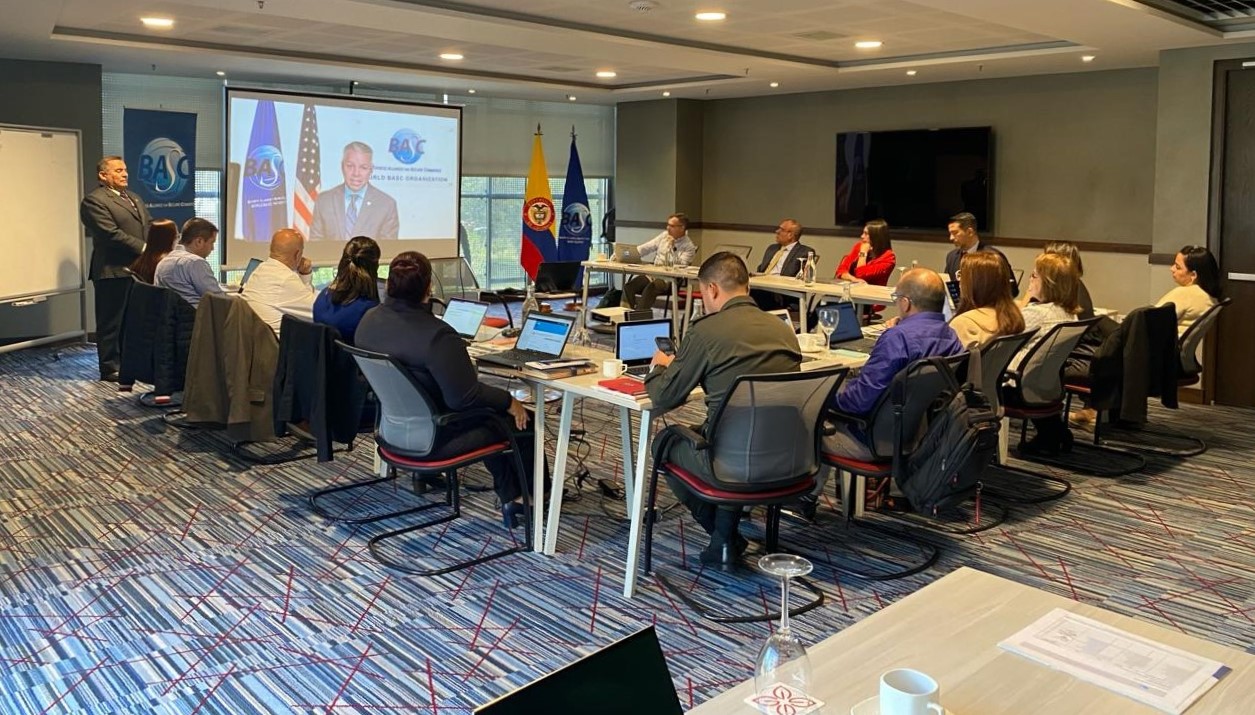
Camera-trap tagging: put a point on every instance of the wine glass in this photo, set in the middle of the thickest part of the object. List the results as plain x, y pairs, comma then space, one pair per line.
827, 323
783, 672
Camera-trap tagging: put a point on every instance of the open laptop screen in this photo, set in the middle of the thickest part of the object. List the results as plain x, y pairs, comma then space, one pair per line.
556, 276
634, 341
629, 677
544, 333
465, 316
248, 270
848, 324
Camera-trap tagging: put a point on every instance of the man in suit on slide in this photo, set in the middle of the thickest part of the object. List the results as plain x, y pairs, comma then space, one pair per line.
117, 222
355, 208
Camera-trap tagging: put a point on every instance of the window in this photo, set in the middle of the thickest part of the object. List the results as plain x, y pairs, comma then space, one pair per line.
492, 212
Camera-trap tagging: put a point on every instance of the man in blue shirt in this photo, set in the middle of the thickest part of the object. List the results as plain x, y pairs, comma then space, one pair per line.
185, 270
919, 331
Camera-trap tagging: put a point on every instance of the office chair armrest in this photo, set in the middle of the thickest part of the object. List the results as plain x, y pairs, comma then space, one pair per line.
478, 413
859, 421
689, 435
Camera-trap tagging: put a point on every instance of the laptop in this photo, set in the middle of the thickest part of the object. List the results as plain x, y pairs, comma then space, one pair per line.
849, 331
543, 338
626, 253
627, 677
465, 316
556, 279
783, 314
248, 270
951, 308
634, 343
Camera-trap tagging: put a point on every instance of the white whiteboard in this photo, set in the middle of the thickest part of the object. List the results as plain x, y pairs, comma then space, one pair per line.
41, 185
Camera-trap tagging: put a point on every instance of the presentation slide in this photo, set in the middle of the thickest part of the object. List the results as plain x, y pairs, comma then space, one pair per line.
338, 167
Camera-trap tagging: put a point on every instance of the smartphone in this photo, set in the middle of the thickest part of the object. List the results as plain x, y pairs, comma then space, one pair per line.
666, 345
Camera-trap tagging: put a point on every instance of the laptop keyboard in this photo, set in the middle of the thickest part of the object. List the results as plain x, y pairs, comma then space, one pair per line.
639, 370
522, 356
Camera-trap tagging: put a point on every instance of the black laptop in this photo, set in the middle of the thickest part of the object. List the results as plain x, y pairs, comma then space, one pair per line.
848, 334
543, 338
556, 279
465, 316
627, 677
634, 343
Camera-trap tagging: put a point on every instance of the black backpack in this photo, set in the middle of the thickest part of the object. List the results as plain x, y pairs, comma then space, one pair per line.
960, 438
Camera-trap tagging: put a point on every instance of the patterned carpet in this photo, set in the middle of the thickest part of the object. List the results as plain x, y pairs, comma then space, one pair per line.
146, 569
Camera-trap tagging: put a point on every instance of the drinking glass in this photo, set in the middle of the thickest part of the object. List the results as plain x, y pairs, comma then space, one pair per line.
828, 318
782, 660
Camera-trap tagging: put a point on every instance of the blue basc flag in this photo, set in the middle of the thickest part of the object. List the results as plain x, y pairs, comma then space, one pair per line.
264, 199
159, 149
575, 233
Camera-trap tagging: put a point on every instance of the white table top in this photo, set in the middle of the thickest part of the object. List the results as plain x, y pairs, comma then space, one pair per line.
951, 628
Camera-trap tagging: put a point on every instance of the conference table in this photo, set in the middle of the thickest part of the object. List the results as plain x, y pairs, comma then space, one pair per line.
950, 630
636, 452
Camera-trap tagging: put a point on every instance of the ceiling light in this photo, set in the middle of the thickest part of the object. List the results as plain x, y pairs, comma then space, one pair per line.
221, 73
157, 23
450, 56
570, 97
1087, 58
868, 44
470, 91
666, 93
910, 73
607, 74
711, 16
774, 84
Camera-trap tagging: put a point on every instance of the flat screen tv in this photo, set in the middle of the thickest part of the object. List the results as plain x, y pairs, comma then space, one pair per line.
915, 178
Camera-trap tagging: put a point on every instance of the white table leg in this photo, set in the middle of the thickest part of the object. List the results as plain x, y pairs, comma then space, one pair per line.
635, 504
689, 307
801, 313
538, 467
675, 305
625, 437
1004, 440
559, 474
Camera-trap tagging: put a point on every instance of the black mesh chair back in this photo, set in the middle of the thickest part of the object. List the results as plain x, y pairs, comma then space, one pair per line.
742, 251
922, 384
1040, 380
766, 430
1193, 337
407, 416
996, 357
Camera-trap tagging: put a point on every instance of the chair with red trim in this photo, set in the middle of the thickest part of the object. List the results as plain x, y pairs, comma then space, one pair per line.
893, 428
763, 449
408, 424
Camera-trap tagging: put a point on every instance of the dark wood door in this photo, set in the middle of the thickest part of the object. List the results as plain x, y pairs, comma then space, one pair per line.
1235, 334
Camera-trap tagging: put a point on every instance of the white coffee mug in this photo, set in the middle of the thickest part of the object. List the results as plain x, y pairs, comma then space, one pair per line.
909, 692
612, 368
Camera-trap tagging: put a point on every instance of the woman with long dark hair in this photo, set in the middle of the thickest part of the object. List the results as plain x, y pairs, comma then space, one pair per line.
162, 234
354, 290
1198, 285
871, 260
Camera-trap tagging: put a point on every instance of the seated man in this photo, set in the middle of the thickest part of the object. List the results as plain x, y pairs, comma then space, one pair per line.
785, 258
282, 283
962, 230
734, 338
920, 331
640, 292
185, 270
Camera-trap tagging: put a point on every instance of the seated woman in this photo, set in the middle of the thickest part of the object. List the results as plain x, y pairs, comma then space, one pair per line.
354, 291
162, 234
1052, 292
405, 328
1070, 252
871, 260
1198, 285
986, 308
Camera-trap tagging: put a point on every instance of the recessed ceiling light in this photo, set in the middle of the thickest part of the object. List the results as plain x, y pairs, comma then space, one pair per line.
450, 56
607, 74
1087, 58
910, 73
570, 97
157, 23
711, 16
868, 44
666, 94
221, 73
470, 91
774, 84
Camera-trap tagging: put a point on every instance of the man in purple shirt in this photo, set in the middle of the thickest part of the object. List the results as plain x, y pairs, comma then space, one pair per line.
920, 331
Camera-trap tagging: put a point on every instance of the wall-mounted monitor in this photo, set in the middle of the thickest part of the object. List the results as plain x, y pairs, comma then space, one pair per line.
915, 178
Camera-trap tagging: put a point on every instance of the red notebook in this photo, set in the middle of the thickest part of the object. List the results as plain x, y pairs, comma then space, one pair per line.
626, 385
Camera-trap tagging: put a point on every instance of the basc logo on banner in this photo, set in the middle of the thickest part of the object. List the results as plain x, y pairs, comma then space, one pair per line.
406, 146
164, 168
160, 151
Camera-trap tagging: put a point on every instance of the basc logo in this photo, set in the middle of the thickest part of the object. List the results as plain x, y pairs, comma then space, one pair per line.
406, 146
164, 168
264, 167
575, 218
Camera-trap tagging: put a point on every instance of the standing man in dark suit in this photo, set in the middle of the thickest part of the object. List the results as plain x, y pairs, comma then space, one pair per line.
962, 229
117, 222
355, 207
782, 258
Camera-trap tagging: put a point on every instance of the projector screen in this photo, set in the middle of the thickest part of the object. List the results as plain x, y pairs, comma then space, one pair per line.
336, 167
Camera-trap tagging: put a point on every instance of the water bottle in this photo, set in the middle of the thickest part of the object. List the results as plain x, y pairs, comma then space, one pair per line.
808, 269
846, 294
530, 303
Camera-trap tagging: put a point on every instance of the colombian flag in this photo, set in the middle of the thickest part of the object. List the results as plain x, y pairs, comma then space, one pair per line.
539, 244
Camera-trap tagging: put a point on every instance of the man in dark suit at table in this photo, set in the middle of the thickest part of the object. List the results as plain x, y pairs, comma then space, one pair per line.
117, 222
355, 207
962, 230
785, 258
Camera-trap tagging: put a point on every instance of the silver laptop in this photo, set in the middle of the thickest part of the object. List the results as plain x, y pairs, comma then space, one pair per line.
544, 337
626, 253
465, 316
634, 343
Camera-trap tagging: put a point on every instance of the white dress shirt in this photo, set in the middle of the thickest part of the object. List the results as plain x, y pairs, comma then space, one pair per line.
275, 289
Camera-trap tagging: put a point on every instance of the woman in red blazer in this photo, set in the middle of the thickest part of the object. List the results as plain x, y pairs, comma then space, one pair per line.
871, 260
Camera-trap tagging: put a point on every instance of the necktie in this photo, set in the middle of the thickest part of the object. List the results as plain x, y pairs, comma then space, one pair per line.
775, 261
350, 216
129, 200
